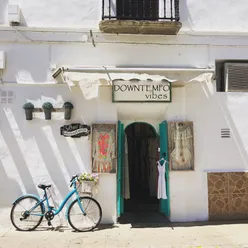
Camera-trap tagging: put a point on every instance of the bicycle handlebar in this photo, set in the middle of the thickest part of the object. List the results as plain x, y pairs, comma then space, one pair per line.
72, 179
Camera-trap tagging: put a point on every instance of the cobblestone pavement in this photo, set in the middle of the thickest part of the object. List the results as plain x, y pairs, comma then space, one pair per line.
128, 235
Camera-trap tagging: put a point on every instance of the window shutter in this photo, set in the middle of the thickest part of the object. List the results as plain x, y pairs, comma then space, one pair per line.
236, 77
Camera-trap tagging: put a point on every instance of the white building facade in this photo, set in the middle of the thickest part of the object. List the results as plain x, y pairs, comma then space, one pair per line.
97, 44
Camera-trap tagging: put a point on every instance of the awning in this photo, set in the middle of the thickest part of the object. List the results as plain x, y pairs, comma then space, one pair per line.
89, 82
109, 77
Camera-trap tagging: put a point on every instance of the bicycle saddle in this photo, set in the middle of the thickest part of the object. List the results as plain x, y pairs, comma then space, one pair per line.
43, 186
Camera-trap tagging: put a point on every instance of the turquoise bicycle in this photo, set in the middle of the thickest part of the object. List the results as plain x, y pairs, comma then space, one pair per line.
83, 214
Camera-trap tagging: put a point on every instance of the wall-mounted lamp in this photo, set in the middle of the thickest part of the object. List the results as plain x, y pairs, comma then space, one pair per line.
58, 75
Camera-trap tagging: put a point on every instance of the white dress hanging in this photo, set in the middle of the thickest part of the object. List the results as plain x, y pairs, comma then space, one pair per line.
161, 181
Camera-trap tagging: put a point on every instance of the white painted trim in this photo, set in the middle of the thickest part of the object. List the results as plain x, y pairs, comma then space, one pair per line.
45, 29
109, 69
213, 33
182, 32
225, 170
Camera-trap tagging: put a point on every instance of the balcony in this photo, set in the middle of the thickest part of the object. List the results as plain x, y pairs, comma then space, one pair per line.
157, 17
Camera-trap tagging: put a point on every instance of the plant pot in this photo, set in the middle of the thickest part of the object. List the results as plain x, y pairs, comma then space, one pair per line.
48, 114
67, 113
29, 114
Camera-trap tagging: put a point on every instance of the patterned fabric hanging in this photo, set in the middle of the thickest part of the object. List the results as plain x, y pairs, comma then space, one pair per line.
103, 150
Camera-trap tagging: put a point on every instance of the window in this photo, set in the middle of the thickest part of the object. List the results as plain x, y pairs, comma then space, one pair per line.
6, 96
137, 9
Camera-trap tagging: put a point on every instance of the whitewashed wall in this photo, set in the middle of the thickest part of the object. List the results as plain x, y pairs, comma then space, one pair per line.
31, 62
210, 111
196, 15
33, 152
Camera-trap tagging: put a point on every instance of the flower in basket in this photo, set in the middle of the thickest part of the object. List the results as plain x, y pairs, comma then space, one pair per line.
88, 177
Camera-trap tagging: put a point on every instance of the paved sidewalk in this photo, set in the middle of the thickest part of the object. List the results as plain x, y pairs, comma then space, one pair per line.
226, 235
134, 236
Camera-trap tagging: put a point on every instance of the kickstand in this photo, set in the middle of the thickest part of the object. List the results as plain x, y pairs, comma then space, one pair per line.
50, 224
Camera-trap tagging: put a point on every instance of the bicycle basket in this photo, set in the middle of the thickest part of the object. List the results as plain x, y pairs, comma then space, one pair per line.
87, 187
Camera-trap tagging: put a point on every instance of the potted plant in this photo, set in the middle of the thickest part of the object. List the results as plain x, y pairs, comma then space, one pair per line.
68, 106
29, 108
47, 107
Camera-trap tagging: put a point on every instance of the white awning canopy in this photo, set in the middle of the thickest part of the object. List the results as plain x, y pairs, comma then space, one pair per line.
109, 77
90, 81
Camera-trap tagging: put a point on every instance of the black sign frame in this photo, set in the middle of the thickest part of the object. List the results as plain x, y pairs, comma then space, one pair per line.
75, 130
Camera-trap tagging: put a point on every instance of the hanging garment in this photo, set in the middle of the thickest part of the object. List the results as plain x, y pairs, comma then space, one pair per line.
181, 157
161, 181
126, 186
103, 150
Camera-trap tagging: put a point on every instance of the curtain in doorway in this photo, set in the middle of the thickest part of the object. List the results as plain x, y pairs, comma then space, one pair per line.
143, 162
126, 183
153, 170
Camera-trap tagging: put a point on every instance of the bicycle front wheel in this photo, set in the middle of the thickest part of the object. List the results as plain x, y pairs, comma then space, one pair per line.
87, 221
22, 218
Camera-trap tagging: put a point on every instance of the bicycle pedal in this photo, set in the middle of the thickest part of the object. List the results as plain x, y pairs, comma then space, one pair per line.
49, 223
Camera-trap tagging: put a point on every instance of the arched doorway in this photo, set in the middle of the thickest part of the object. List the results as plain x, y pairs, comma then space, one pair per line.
140, 178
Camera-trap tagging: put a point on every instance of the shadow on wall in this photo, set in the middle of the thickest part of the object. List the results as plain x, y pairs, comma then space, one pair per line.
230, 106
12, 152
3, 11
23, 20
9, 188
210, 111
29, 72
185, 16
33, 152
219, 110
60, 157
72, 156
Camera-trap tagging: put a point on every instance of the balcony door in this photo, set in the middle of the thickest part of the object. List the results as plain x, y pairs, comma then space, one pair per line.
137, 10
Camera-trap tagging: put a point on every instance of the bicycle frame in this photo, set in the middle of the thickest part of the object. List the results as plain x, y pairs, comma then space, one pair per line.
57, 211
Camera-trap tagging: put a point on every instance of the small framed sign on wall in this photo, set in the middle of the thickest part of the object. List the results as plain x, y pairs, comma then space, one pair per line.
141, 91
75, 130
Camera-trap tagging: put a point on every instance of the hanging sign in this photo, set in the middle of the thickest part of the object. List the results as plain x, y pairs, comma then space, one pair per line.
75, 130
142, 91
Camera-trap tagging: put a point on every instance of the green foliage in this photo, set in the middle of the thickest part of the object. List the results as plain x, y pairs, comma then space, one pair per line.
47, 105
68, 105
28, 105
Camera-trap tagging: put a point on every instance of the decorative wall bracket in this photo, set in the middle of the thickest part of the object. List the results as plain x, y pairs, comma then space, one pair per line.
48, 108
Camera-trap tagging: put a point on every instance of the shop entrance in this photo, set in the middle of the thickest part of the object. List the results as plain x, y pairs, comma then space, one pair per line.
142, 155
140, 147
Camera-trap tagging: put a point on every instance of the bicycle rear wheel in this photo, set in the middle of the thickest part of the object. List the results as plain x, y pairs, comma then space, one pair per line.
21, 218
87, 221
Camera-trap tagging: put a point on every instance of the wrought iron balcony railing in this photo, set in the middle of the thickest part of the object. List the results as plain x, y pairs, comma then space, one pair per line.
142, 10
